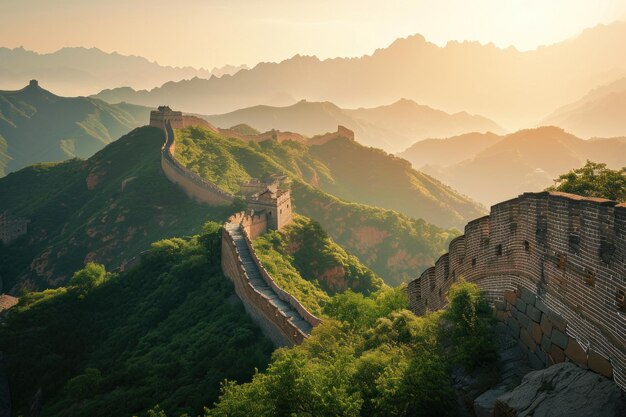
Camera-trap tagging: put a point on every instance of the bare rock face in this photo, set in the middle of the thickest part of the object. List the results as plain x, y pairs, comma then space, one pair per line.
563, 389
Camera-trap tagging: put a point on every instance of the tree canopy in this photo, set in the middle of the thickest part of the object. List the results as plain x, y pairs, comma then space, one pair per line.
594, 180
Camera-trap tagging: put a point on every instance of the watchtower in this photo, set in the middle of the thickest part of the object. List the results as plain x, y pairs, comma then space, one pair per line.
165, 114
275, 203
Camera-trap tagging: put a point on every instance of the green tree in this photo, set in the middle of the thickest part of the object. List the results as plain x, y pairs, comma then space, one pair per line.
471, 320
85, 385
594, 180
88, 278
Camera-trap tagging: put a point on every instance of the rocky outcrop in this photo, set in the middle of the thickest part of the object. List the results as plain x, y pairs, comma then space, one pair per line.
562, 390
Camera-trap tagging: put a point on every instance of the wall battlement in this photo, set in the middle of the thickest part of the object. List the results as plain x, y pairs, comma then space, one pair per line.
193, 184
342, 132
569, 252
283, 319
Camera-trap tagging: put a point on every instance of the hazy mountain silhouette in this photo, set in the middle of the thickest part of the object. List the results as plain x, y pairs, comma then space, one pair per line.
38, 126
527, 160
82, 71
515, 88
600, 113
443, 152
391, 127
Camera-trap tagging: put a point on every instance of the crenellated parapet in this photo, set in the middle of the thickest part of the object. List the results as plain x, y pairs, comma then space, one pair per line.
283, 319
342, 132
193, 184
566, 254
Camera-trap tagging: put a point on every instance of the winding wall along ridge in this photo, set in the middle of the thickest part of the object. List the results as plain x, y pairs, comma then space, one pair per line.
554, 266
282, 318
193, 184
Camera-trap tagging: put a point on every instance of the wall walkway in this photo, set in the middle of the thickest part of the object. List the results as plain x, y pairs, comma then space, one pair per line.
194, 185
282, 318
280, 315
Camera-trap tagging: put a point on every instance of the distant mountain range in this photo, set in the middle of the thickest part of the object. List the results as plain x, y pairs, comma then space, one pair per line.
83, 71
38, 126
515, 88
392, 127
491, 168
600, 113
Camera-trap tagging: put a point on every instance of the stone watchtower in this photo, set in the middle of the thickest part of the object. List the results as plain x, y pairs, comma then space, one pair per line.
275, 203
165, 114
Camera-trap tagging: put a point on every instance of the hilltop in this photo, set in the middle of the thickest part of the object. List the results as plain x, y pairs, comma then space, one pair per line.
340, 167
38, 126
82, 71
495, 168
110, 207
529, 84
106, 209
391, 127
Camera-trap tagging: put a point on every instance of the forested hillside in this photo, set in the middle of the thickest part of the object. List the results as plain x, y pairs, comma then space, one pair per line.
167, 332
38, 126
106, 209
340, 167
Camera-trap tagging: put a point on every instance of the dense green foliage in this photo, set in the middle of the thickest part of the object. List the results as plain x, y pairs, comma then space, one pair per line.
372, 176
470, 333
88, 278
341, 167
394, 246
167, 332
38, 126
594, 180
106, 209
305, 262
377, 359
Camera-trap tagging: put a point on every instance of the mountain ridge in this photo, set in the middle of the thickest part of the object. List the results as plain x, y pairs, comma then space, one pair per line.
493, 168
37, 125
390, 127
82, 71
422, 71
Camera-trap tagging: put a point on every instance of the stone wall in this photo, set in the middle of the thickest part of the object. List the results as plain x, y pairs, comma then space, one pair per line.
274, 323
342, 132
542, 333
194, 185
254, 225
567, 252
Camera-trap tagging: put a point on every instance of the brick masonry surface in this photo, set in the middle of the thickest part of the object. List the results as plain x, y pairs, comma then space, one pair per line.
553, 266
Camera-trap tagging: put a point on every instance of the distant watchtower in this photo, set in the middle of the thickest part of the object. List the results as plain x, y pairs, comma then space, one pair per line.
275, 203
165, 114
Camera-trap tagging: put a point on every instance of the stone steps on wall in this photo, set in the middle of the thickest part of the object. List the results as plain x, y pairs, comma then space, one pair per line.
259, 284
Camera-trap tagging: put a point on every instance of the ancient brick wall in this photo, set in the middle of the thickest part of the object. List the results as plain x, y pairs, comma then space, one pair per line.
254, 225
566, 256
194, 185
342, 132
275, 324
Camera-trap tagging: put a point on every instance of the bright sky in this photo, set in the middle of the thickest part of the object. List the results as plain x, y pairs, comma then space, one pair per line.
212, 33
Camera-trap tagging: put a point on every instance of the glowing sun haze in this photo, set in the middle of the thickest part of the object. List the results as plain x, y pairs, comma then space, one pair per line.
212, 33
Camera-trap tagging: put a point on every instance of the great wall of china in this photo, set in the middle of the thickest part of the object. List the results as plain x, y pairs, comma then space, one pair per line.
282, 318
553, 265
